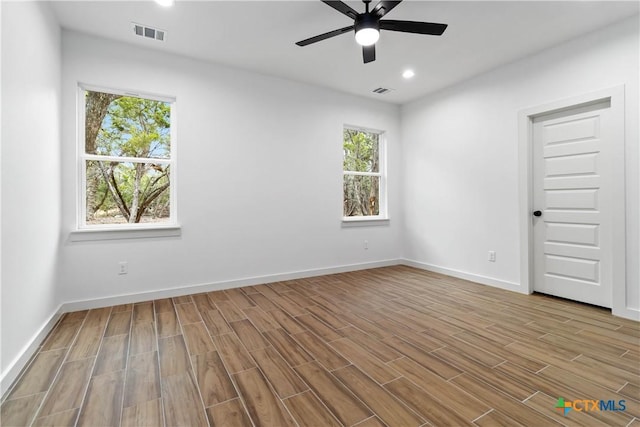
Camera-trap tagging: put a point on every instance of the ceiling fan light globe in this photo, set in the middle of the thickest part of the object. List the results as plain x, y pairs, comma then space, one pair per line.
367, 36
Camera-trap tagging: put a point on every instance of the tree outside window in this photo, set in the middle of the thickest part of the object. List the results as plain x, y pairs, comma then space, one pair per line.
126, 160
363, 166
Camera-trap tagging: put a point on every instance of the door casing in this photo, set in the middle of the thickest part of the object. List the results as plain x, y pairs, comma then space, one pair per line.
525, 186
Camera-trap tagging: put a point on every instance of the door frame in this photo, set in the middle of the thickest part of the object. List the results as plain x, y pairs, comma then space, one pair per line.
525, 189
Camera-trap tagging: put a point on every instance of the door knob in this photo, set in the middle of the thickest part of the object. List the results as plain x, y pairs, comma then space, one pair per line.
537, 213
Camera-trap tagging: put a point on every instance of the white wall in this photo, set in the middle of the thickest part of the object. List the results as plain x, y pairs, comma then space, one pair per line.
259, 175
460, 148
30, 175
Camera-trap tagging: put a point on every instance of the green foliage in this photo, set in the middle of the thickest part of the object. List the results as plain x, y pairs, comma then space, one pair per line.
360, 151
135, 127
124, 191
361, 154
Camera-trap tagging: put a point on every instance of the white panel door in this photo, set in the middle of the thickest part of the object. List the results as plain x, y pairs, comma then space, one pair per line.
572, 204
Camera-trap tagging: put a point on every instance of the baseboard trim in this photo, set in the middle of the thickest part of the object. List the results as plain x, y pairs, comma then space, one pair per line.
216, 286
484, 280
627, 313
14, 369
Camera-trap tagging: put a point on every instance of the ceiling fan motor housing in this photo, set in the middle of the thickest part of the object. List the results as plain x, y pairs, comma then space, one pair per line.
367, 20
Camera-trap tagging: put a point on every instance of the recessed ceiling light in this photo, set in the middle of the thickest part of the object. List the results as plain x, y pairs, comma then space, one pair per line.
165, 3
407, 74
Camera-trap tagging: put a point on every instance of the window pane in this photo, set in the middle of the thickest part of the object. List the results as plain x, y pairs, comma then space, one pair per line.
361, 151
361, 195
120, 193
125, 126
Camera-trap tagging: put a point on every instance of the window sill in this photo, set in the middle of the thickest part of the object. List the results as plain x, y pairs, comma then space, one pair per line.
94, 234
364, 221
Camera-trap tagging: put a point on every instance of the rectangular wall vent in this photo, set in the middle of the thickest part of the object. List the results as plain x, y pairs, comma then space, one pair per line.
148, 32
382, 90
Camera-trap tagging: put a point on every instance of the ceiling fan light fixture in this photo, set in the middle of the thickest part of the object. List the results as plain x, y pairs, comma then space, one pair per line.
367, 29
367, 36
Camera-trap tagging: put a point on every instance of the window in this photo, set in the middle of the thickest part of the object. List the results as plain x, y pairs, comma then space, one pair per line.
126, 161
364, 186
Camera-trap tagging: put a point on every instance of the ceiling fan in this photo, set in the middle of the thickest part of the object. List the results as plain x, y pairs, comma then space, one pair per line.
367, 26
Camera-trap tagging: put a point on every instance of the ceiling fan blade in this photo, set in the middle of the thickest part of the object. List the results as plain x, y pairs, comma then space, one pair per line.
325, 36
342, 8
384, 7
369, 53
430, 28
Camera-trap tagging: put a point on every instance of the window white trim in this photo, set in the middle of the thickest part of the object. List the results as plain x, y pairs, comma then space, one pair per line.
117, 231
363, 221
127, 159
383, 215
135, 231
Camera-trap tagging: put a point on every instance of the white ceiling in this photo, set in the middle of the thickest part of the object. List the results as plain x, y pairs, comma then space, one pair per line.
260, 36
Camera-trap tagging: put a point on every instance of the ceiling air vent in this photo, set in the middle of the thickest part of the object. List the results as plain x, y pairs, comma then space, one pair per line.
148, 32
382, 90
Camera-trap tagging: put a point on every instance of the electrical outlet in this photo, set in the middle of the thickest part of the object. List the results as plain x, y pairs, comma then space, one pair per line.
124, 267
366, 245
492, 256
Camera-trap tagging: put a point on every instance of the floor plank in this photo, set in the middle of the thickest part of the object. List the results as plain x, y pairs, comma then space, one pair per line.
387, 407
39, 374
340, 401
62, 336
233, 353
143, 312
113, 354
119, 323
69, 387
215, 322
424, 404
143, 379
188, 313
262, 320
143, 337
448, 394
506, 405
60, 419
249, 335
265, 409
182, 403
228, 414
20, 411
288, 348
212, 378
309, 411
86, 344
143, 414
167, 324
174, 358
197, 338
282, 378
103, 402
321, 351
367, 363
97, 318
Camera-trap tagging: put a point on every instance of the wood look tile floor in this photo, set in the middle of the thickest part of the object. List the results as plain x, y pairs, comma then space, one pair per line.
393, 346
